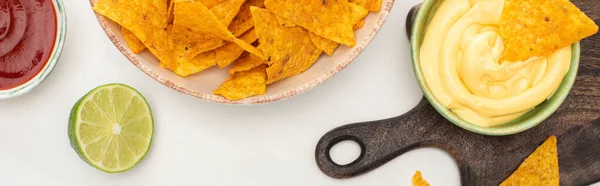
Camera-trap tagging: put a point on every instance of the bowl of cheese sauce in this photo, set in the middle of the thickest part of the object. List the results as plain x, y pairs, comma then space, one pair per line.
456, 54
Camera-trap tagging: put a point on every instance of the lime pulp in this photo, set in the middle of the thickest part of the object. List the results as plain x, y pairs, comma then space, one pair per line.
111, 128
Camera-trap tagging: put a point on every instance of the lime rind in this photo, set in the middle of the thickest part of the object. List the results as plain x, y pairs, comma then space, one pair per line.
75, 127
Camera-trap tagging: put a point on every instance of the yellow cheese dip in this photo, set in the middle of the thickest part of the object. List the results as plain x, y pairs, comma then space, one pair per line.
460, 61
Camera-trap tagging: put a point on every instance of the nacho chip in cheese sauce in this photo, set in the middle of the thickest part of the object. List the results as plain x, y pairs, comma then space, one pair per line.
460, 62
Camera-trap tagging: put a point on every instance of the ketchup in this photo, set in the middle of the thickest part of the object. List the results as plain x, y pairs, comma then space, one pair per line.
27, 36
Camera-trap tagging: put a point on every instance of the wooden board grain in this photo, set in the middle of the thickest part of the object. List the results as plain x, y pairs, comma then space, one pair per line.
486, 160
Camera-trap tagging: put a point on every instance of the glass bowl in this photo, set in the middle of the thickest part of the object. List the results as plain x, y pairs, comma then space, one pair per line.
61, 32
531, 119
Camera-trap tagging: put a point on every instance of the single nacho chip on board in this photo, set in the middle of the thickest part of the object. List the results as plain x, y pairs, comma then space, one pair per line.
227, 53
246, 62
418, 180
244, 84
532, 28
243, 20
540, 168
149, 24
288, 50
135, 45
327, 18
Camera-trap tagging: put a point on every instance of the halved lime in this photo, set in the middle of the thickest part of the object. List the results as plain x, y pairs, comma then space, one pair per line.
111, 128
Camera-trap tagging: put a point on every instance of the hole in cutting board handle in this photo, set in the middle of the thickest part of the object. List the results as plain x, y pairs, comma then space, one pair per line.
339, 141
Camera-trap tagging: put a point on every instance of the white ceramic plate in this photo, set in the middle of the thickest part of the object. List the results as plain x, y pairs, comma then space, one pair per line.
202, 85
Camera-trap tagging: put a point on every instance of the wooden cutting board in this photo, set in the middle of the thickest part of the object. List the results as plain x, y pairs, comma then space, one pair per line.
485, 160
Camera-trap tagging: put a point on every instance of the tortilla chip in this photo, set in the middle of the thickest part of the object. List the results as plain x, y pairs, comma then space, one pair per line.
227, 10
185, 26
186, 49
207, 3
243, 20
203, 25
149, 24
285, 22
189, 44
356, 15
183, 50
244, 84
170, 16
371, 5
195, 65
418, 180
206, 23
329, 19
249, 48
288, 50
374, 5
362, 3
540, 168
210, 3
231, 51
135, 45
359, 25
540, 27
246, 62
328, 46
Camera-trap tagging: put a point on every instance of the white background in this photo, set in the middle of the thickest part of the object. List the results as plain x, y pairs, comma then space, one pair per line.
201, 143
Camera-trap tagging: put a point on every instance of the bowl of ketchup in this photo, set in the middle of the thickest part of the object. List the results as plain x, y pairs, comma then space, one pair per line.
32, 34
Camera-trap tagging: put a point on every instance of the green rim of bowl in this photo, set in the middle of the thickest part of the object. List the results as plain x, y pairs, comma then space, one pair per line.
527, 121
61, 33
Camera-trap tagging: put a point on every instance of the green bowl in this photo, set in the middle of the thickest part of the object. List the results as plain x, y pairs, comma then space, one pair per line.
61, 34
527, 121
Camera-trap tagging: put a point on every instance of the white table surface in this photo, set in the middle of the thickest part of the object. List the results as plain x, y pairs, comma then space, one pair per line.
201, 143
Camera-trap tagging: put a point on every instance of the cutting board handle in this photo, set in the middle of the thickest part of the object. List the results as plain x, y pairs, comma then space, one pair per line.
378, 146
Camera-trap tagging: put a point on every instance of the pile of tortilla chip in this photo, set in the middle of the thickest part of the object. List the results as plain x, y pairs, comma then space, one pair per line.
263, 41
536, 28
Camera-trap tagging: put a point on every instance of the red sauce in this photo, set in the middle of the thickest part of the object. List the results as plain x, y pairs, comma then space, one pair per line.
27, 36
